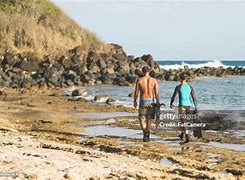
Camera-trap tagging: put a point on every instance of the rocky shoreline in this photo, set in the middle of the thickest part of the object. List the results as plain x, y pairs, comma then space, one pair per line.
80, 67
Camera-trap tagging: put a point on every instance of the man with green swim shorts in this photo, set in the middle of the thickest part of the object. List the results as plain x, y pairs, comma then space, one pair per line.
185, 92
147, 86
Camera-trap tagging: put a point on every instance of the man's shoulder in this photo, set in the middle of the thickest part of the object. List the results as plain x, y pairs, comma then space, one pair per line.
139, 78
153, 79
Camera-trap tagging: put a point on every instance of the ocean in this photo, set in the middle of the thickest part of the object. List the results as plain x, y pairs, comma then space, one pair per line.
213, 93
176, 64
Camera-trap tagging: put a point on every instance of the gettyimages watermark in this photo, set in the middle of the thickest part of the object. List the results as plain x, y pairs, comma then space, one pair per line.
8, 174
173, 116
204, 119
173, 120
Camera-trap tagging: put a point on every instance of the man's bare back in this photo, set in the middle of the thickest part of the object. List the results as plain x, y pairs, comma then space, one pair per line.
146, 87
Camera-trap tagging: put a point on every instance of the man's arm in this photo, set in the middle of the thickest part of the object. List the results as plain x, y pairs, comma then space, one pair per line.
173, 96
136, 92
194, 97
156, 91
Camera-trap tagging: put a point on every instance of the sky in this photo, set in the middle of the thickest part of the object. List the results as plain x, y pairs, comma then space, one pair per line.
169, 30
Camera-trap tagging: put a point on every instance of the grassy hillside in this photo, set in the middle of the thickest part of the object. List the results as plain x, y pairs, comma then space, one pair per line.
40, 27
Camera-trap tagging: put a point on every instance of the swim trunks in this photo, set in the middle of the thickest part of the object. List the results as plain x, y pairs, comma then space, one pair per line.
146, 110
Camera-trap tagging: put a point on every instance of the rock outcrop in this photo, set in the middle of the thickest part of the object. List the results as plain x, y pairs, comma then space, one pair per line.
114, 67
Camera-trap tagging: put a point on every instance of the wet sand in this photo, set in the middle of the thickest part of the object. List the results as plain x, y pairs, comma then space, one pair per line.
50, 138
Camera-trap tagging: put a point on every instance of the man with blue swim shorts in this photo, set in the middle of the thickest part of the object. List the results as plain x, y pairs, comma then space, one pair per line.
185, 93
147, 86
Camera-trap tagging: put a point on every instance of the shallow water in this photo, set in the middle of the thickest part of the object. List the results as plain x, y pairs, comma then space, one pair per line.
214, 93
165, 161
98, 122
105, 115
236, 147
212, 161
110, 131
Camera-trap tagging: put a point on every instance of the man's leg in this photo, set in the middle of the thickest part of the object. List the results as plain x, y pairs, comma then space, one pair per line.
143, 122
149, 118
148, 128
148, 124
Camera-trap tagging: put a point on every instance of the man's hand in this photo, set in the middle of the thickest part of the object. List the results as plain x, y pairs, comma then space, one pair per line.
135, 104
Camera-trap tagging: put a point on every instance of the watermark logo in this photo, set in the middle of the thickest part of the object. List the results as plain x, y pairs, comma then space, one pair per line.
204, 119
8, 174
176, 120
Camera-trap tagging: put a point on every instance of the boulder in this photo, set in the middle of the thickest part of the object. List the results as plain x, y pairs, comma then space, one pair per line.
9, 58
69, 82
131, 95
169, 77
59, 67
94, 69
86, 78
45, 63
77, 92
131, 78
120, 57
76, 59
138, 72
110, 70
121, 68
148, 59
71, 75
54, 79
110, 101
98, 82
106, 79
101, 63
92, 59
82, 69
65, 62
29, 66
121, 81
47, 74
100, 98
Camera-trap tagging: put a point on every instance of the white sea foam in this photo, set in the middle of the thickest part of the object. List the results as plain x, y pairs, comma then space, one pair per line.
213, 63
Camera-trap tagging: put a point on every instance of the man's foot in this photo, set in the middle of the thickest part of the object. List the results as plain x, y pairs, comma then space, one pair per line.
187, 139
144, 136
181, 136
148, 136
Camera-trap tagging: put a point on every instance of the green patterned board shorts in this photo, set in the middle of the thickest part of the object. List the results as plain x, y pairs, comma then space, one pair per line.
146, 111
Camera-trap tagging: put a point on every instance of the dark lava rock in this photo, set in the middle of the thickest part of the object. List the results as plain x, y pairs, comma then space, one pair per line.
77, 92
110, 101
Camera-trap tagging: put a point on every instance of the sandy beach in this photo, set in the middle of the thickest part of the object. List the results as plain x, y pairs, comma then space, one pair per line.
44, 136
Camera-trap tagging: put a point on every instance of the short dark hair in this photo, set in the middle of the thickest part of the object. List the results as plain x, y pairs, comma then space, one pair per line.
145, 69
183, 76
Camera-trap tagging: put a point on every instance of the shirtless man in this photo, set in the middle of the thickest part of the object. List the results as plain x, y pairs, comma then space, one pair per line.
148, 88
185, 92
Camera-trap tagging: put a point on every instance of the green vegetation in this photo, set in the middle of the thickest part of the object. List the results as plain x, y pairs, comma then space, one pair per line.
46, 8
69, 32
47, 30
90, 40
14, 6
28, 6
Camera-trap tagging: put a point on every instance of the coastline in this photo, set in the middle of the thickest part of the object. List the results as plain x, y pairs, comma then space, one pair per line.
43, 124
